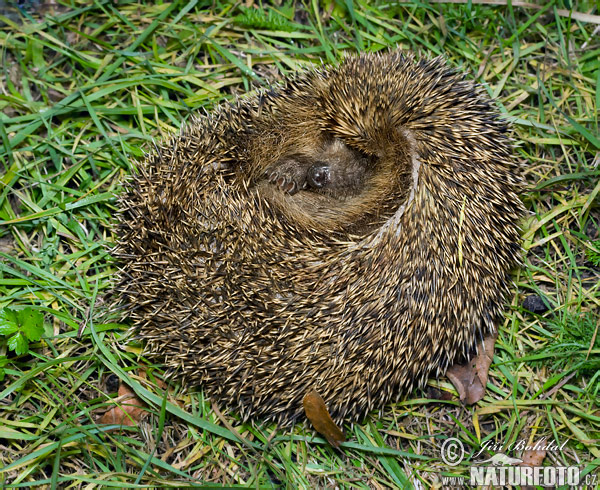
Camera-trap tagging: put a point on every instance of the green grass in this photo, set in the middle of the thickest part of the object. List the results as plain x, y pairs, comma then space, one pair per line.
86, 86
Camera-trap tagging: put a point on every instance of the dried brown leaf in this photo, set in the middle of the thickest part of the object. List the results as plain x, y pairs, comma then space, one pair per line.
470, 379
317, 413
130, 411
533, 457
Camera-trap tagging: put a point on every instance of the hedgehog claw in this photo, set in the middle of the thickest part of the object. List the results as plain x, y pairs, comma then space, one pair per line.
271, 176
285, 182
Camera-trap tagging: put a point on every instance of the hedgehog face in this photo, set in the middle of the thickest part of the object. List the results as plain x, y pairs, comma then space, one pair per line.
332, 169
329, 186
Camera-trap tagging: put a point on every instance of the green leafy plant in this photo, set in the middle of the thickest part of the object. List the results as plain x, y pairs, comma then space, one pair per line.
3, 362
572, 338
19, 327
269, 19
593, 254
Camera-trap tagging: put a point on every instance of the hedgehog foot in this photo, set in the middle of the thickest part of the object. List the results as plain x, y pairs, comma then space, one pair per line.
290, 173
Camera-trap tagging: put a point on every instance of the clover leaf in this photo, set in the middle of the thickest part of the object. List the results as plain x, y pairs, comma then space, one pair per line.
21, 327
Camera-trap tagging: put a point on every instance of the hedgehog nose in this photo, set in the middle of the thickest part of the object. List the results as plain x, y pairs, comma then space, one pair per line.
318, 175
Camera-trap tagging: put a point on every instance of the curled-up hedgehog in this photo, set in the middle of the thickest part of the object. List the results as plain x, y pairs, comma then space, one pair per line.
349, 232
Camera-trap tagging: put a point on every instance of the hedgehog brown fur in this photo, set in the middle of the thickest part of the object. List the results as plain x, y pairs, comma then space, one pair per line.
259, 294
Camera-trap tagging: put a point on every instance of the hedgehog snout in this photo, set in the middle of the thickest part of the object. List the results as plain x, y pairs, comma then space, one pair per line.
318, 175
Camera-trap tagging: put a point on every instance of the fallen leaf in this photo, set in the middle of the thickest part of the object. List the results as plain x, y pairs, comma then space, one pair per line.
470, 379
129, 411
317, 413
533, 457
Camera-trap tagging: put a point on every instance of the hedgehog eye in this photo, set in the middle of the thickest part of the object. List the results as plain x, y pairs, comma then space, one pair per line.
318, 175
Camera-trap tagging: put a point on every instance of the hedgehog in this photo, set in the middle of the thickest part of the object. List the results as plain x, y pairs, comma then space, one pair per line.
350, 231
